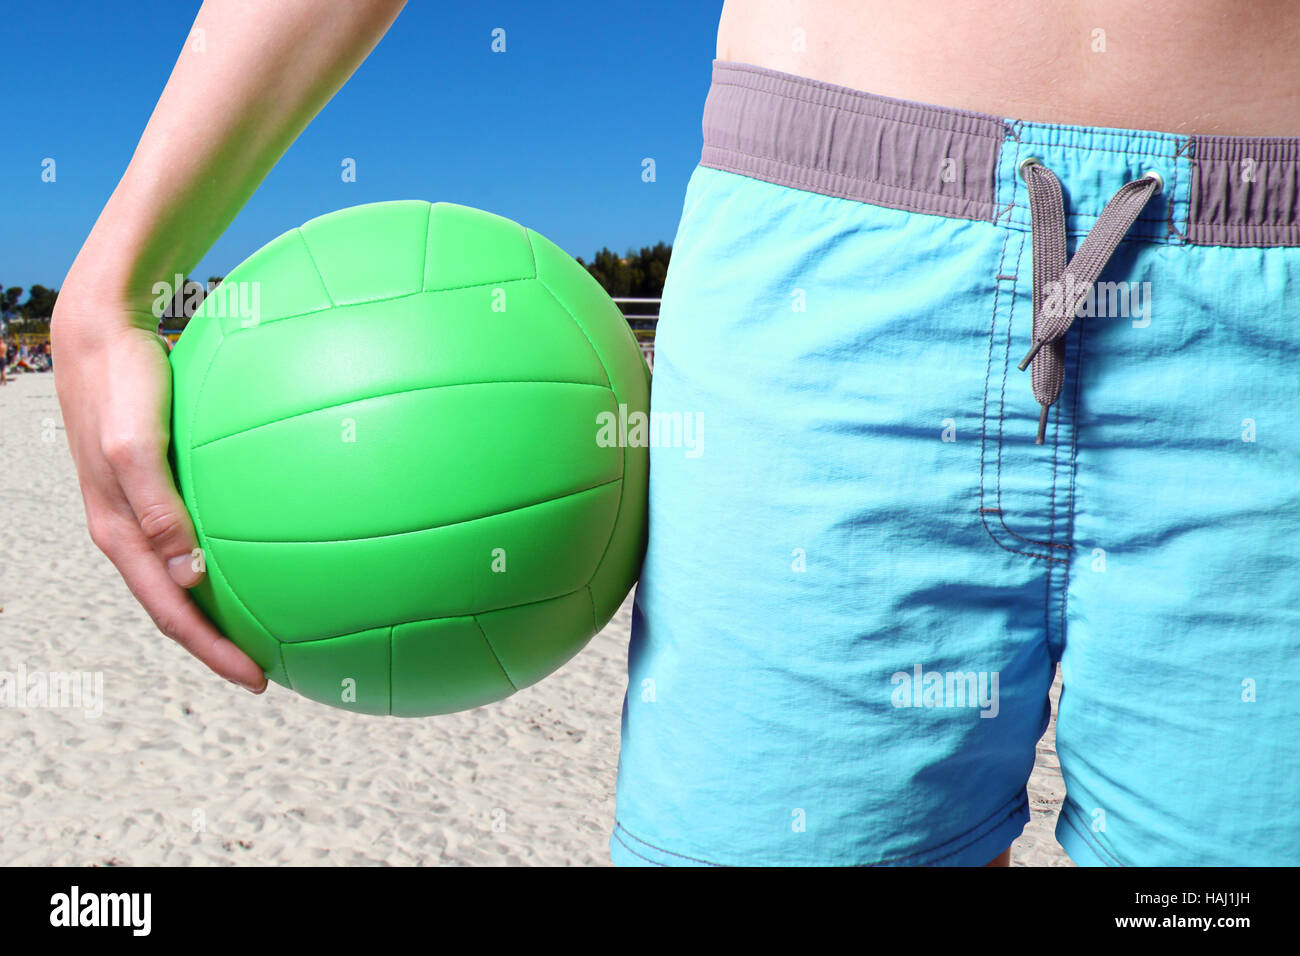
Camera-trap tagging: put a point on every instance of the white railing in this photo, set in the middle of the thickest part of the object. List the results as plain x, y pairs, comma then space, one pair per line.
646, 341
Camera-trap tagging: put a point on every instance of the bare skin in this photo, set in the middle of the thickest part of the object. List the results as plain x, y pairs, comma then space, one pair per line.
266, 69
1179, 66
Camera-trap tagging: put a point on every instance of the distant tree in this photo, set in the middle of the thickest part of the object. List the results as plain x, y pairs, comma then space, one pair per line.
639, 274
609, 271
40, 303
654, 269
9, 300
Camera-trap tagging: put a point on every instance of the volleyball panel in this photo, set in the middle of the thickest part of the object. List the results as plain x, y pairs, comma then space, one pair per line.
308, 590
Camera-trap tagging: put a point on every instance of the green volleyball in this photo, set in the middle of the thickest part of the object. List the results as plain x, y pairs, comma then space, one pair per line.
391, 429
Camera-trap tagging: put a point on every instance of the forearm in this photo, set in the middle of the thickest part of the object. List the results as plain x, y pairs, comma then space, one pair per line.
228, 113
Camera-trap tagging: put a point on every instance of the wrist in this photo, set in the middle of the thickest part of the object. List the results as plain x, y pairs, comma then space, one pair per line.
123, 272
99, 293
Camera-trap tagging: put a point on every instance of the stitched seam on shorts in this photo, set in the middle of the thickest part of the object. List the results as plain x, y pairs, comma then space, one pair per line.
873, 192
1171, 229
1049, 543
1172, 138
1024, 803
1141, 153
1051, 528
1001, 513
844, 176
1010, 324
1065, 560
1074, 470
985, 827
1006, 364
988, 374
1252, 225
1056, 469
1056, 460
1109, 858
1082, 232
638, 854
681, 856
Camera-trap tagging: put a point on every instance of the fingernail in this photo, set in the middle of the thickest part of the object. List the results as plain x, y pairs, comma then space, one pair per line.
251, 688
180, 568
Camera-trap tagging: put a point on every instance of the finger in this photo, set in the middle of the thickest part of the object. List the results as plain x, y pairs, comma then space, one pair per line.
146, 481
174, 611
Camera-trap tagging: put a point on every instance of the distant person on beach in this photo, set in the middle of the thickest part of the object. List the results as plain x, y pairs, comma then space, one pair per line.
4, 362
989, 310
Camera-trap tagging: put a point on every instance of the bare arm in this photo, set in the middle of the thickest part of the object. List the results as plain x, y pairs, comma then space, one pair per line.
249, 80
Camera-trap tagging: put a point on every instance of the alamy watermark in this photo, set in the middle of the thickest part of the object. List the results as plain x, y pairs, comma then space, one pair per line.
75, 908
226, 299
638, 429
923, 688
1103, 300
53, 690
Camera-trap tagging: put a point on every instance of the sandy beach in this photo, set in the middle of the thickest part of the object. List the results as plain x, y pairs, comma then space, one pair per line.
182, 768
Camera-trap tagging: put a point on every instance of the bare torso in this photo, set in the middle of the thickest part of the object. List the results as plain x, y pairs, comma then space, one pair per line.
1181, 66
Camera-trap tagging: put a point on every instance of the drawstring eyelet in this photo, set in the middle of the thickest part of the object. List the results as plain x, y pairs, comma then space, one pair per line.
1160, 180
1028, 161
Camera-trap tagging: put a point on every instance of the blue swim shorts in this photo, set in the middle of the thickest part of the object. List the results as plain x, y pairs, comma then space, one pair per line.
873, 536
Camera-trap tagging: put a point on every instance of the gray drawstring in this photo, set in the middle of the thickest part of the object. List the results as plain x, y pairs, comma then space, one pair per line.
1061, 287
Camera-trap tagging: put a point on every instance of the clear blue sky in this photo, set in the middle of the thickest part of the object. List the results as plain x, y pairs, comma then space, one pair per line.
552, 133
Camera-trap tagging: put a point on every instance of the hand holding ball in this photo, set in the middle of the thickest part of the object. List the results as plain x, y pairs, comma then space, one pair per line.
385, 429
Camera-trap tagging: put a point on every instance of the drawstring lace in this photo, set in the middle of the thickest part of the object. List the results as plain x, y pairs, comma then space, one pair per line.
1060, 288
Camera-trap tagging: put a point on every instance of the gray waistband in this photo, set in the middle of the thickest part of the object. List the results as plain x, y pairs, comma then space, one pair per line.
1244, 191
806, 134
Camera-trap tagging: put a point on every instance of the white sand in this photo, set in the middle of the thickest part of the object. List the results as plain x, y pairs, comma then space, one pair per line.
183, 768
